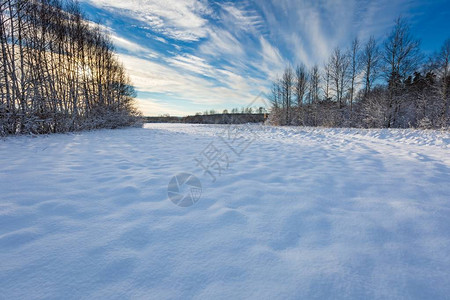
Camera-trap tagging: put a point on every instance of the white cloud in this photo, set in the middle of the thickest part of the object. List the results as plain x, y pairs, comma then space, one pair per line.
272, 63
173, 82
222, 42
240, 18
192, 63
154, 107
269, 53
125, 44
180, 20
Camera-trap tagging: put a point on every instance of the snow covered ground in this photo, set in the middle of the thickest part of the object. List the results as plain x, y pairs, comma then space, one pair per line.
295, 213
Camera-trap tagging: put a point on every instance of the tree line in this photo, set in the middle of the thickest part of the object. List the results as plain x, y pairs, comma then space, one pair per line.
388, 84
58, 71
242, 110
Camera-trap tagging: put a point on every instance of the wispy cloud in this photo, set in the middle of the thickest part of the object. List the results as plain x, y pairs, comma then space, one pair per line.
172, 80
240, 17
221, 42
124, 44
180, 20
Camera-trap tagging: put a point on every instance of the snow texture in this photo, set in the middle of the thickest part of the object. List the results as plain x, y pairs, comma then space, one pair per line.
301, 213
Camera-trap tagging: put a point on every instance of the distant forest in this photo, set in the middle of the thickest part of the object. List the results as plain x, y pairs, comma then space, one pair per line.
58, 71
388, 84
242, 110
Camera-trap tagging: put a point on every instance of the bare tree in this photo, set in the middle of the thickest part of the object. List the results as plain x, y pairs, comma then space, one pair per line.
355, 64
444, 66
301, 81
274, 97
300, 91
327, 78
314, 81
286, 91
402, 57
370, 64
314, 92
339, 67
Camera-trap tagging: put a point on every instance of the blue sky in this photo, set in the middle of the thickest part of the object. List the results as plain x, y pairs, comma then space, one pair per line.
187, 56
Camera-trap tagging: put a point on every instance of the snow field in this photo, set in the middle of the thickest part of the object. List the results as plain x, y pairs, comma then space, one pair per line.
302, 213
